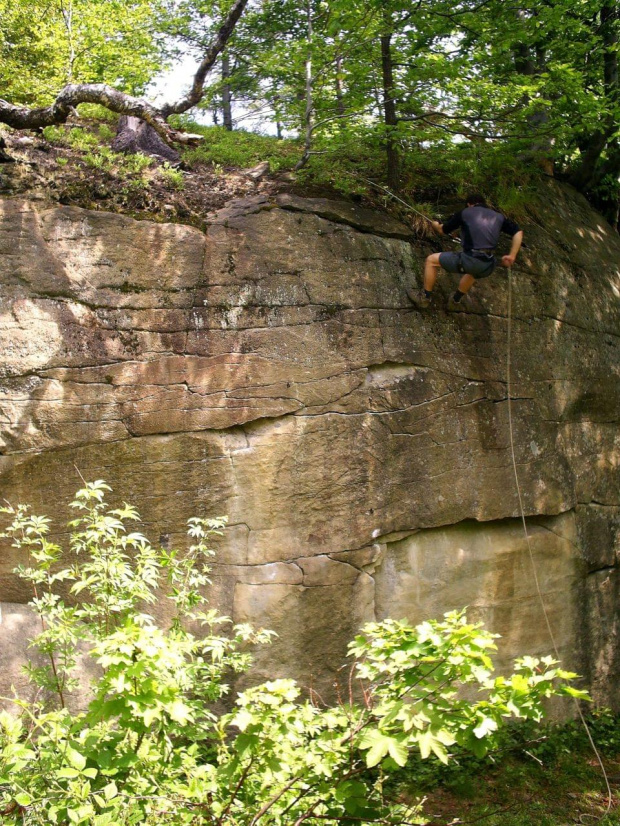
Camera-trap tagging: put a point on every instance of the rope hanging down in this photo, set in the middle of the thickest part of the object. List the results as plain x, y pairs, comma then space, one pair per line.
529, 544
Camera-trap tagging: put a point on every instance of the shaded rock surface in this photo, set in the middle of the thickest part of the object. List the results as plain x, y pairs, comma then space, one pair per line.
274, 370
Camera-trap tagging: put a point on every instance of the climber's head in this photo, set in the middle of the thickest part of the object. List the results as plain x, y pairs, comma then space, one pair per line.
476, 199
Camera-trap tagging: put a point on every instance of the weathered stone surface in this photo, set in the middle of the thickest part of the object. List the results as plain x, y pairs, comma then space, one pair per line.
598, 529
18, 625
313, 625
274, 370
344, 212
602, 633
486, 566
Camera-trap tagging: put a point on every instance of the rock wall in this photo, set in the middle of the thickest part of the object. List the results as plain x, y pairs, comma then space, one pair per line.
274, 370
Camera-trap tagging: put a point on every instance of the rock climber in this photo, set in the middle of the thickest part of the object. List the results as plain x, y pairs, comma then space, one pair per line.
480, 230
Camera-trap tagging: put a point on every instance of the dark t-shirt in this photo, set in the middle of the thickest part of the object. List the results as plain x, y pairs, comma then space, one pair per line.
480, 227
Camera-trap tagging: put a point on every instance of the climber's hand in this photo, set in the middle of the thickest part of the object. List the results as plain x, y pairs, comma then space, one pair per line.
437, 226
508, 260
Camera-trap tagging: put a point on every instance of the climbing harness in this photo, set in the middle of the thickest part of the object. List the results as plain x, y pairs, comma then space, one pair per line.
531, 553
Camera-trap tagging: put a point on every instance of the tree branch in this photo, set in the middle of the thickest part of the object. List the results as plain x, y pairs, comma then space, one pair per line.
194, 96
21, 117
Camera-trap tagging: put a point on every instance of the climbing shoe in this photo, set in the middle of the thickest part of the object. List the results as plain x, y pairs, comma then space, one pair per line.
457, 306
419, 298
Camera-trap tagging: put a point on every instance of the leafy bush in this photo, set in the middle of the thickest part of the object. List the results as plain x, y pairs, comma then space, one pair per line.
151, 748
240, 149
101, 158
76, 137
105, 132
443, 172
173, 177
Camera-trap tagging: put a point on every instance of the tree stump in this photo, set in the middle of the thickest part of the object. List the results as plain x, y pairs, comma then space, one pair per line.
135, 135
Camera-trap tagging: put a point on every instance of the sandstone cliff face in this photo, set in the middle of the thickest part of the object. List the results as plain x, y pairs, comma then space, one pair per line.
274, 370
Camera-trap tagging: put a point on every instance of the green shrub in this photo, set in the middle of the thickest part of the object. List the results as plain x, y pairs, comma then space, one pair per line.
81, 138
173, 177
240, 149
151, 747
55, 134
106, 132
132, 164
101, 159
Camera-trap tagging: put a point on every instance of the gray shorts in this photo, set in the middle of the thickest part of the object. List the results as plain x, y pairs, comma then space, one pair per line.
463, 263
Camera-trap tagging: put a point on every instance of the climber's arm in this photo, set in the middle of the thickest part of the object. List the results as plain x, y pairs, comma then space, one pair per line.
517, 239
449, 226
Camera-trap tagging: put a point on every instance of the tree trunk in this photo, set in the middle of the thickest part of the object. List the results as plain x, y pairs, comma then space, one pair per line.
135, 135
21, 117
529, 61
389, 110
226, 96
609, 15
340, 107
590, 170
309, 97
194, 96
584, 175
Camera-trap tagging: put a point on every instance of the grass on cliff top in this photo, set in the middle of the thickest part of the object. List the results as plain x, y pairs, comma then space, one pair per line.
240, 149
551, 780
435, 178
443, 172
75, 165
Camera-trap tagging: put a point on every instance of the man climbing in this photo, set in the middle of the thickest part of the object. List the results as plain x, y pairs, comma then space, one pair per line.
480, 230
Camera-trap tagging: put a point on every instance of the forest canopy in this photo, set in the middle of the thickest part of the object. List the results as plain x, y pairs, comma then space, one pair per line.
529, 85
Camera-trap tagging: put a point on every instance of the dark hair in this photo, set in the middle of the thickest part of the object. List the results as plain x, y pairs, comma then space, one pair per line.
476, 198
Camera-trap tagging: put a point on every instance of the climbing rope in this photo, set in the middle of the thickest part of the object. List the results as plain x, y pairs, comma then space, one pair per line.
396, 198
404, 203
531, 553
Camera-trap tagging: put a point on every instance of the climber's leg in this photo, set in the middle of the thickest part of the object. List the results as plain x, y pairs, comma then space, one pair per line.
479, 268
431, 268
466, 283
422, 298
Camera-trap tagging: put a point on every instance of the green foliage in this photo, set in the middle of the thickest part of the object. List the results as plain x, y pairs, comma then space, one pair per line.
47, 43
105, 132
173, 177
240, 149
151, 747
443, 173
542, 774
539, 84
77, 138
491, 92
99, 115
500, 88
519, 749
556, 741
88, 143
